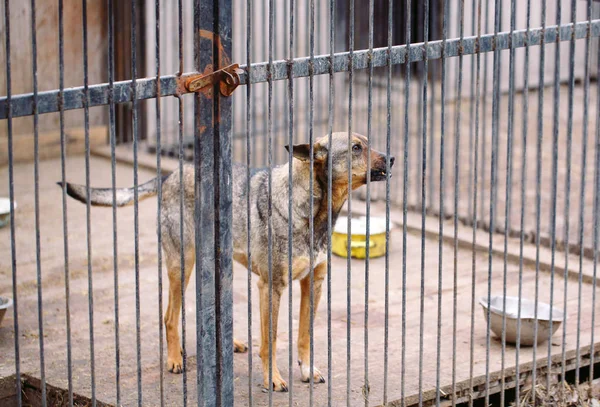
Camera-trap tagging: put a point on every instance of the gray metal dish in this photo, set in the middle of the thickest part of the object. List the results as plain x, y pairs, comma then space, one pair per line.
5, 303
5, 211
527, 319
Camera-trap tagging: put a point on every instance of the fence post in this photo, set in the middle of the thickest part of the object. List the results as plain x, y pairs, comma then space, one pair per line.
212, 162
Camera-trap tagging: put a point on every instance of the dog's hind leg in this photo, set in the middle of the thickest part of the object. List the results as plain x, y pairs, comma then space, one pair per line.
239, 346
263, 286
304, 328
174, 350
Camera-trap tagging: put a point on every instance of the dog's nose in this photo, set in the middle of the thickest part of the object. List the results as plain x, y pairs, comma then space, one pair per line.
392, 159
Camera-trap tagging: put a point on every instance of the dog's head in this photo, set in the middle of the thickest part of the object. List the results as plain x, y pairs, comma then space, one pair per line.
345, 150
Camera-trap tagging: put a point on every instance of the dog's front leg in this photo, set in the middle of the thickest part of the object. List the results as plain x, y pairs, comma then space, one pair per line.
304, 329
263, 286
174, 350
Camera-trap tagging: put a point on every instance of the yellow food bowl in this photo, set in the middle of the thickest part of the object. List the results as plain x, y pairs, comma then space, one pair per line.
358, 240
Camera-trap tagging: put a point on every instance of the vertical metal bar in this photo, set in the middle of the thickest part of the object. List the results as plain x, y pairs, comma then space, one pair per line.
421, 122
319, 47
419, 141
223, 249
508, 190
493, 189
457, 134
596, 221
269, 150
168, 52
172, 112
568, 181
366, 386
454, 29
329, 194
205, 362
264, 55
485, 113
206, 381
36, 153
255, 96
498, 85
276, 103
554, 197
472, 168
285, 54
523, 195
63, 154
441, 197
407, 81
423, 195
311, 223
159, 202
204, 213
349, 219
388, 133
540, 134
182, 259
290, 196
475, 190
433, 68
88, 203
499, 100
113, 162
134, 113
584, 144
213, 173
249, 124
11, 189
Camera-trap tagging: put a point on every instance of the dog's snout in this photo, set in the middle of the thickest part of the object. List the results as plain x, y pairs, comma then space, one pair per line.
392, 159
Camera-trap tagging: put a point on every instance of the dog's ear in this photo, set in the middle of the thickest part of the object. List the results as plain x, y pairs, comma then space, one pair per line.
302, 152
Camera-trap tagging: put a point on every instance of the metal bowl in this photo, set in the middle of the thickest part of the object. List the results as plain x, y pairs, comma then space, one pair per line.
5, 303
527, 319
5, 211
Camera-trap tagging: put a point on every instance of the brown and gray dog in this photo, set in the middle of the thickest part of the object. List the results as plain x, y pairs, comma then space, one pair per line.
258, 190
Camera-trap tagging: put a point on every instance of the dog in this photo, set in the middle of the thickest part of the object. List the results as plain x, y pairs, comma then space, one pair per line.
344, 151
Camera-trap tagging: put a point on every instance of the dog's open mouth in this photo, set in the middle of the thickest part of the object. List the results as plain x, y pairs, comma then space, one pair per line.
379, 175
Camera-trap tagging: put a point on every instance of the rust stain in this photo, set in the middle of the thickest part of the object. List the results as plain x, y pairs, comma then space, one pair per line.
227, 84
224, 59
227, 79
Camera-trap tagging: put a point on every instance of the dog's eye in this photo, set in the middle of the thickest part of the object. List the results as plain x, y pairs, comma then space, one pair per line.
357, 148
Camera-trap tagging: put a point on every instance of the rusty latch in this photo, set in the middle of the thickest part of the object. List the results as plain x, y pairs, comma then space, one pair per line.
228, 78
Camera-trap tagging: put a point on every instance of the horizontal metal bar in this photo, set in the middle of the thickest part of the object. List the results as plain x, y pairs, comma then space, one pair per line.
22, 105
48, 101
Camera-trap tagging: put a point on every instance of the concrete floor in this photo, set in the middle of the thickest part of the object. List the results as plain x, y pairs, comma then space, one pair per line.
55, 338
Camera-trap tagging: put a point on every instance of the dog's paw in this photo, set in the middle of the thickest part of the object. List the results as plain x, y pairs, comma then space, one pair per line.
175, 361
175, 365
305, 372
278, 385
239, 347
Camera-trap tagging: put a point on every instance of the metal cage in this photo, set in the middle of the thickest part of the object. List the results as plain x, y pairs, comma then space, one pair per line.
490, 108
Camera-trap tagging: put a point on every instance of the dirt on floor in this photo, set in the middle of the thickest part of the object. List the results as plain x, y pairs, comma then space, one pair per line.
560, 394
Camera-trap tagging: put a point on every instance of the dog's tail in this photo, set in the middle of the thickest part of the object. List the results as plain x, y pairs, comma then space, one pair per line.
104, 196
